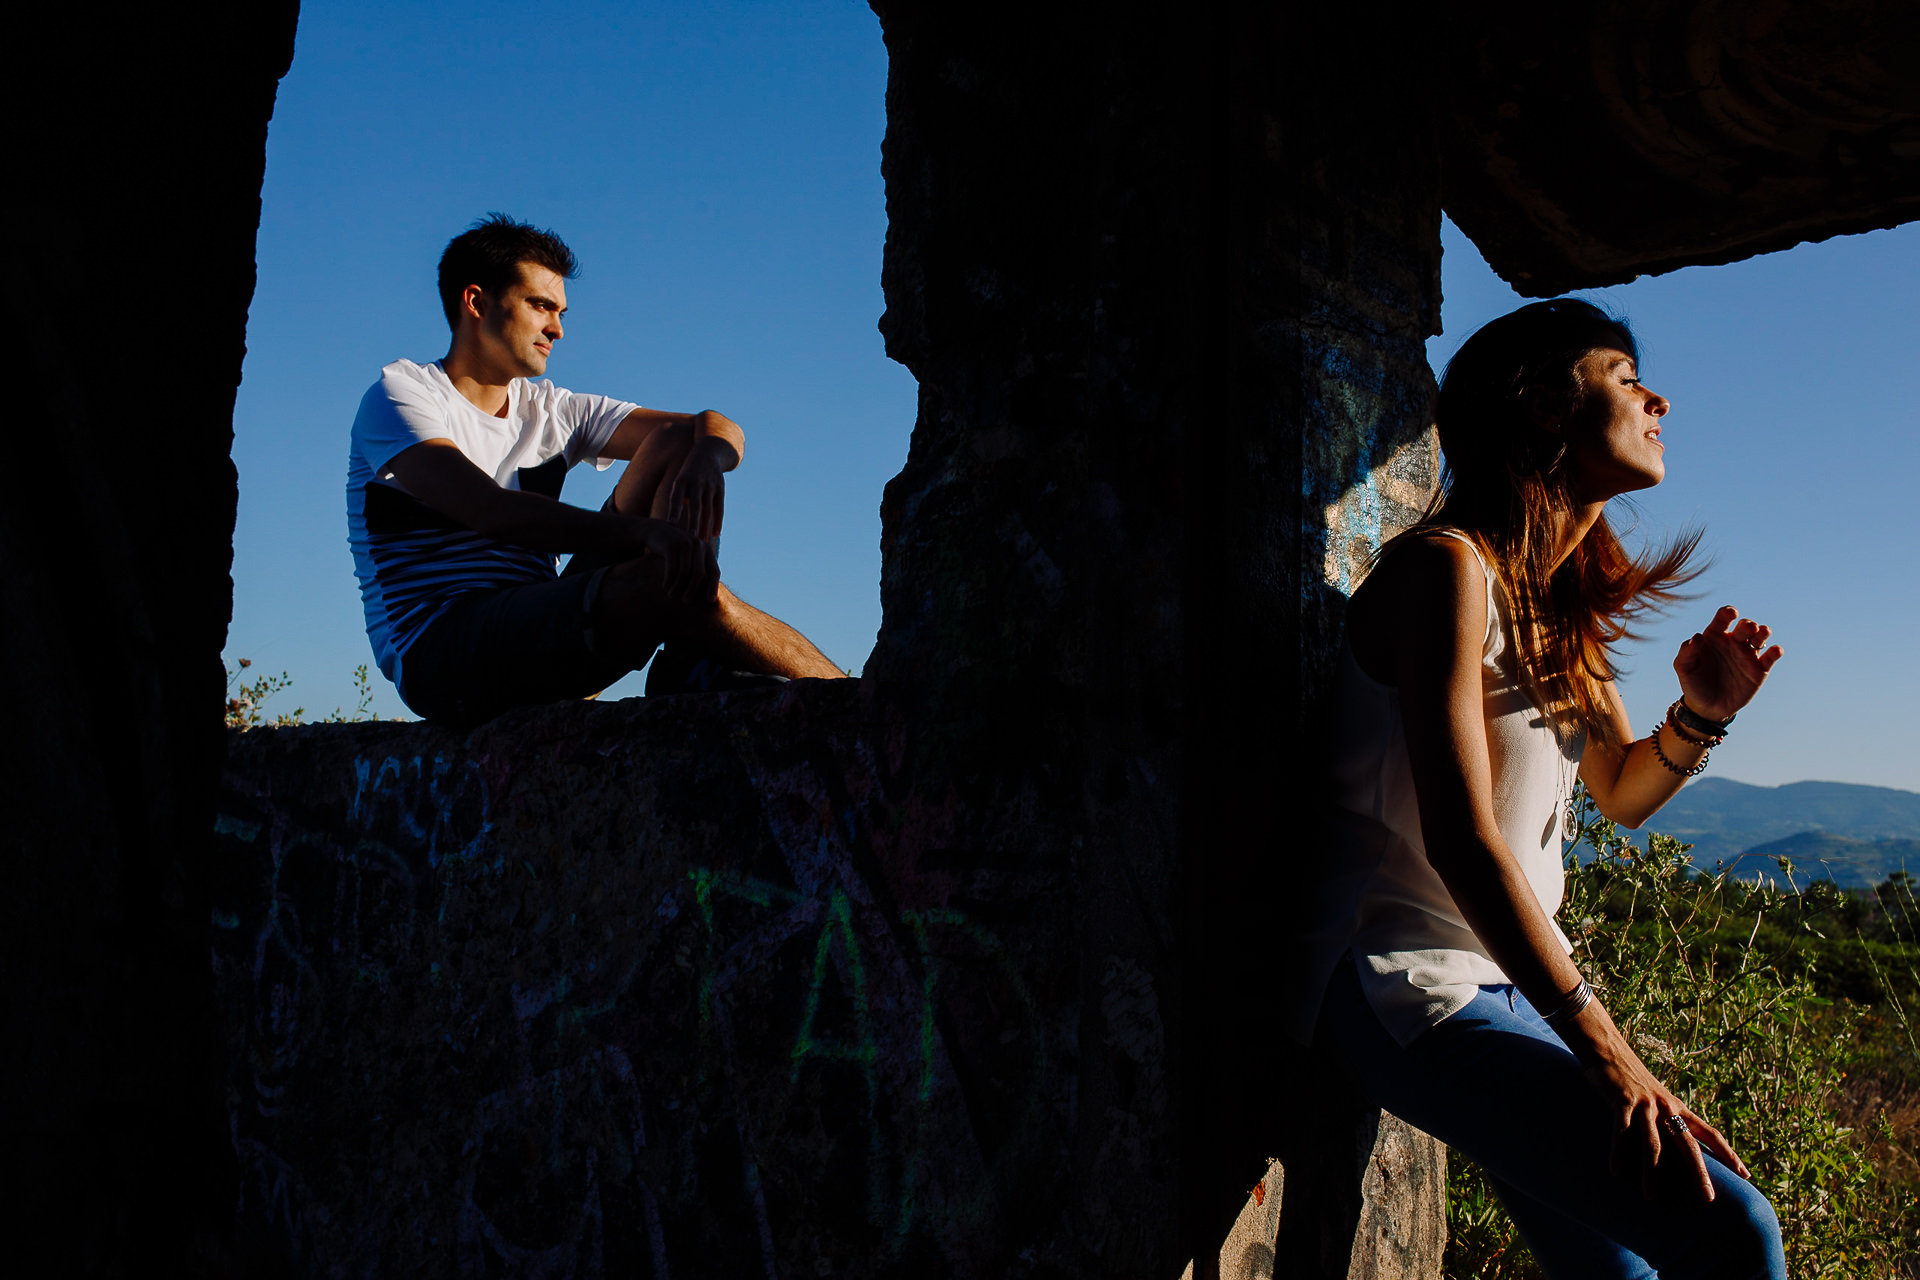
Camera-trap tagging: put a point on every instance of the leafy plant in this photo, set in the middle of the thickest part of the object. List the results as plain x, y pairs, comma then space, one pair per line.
1719, 985
362, 685
245, 700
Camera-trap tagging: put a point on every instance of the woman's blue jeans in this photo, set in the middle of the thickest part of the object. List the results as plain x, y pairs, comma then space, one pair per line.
1495, 1083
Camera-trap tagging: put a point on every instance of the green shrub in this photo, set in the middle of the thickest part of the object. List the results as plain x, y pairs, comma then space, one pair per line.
244, 703
1727, 992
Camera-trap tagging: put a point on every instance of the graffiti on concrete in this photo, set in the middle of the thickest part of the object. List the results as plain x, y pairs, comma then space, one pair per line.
443, 803
564, 1045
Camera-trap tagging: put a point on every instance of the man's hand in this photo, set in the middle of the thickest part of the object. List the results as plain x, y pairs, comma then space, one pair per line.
696, 499
438, 474
690, 572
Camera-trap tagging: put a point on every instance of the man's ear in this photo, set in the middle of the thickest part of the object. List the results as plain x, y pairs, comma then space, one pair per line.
473, 300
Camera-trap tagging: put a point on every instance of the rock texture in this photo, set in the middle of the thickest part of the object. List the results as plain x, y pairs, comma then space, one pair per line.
1150, 424
135, 195
1588, 144
664, 987
674, 987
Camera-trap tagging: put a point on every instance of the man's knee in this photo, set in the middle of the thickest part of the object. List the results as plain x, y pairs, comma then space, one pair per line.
665, 445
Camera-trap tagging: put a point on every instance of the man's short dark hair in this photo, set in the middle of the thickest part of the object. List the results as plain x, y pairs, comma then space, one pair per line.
489, 254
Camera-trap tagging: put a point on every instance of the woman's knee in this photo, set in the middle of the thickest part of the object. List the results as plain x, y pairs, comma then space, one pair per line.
1740, 1239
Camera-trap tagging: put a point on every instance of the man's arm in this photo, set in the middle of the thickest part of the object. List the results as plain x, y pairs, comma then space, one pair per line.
438, 474
707, 425
696, 488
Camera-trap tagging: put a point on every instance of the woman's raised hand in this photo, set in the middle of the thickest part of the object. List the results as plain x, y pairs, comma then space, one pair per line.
1722, 667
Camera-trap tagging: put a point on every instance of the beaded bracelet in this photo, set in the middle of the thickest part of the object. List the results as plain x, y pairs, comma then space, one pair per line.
1653, 740
1687, 734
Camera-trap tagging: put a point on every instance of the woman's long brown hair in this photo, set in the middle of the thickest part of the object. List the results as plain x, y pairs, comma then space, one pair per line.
1505, 479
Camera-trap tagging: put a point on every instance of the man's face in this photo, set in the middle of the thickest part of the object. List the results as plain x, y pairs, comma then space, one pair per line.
519, 326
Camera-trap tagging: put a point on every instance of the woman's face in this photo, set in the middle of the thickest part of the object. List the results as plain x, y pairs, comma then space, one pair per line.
1613, 433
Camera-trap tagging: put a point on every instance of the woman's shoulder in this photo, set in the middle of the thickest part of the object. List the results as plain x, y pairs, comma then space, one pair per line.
1423, 579
1425, 561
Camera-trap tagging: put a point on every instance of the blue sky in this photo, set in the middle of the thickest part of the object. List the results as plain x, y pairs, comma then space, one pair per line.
717, 169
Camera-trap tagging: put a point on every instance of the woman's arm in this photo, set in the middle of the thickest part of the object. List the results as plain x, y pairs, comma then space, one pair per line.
1425, 617
1720, 670
1436, 611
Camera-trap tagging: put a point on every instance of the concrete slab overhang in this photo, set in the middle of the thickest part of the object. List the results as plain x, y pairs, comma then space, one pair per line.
1588, 144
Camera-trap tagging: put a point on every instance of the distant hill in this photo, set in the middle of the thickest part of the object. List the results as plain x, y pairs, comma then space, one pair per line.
1862, 833
1820, 855
1722, 818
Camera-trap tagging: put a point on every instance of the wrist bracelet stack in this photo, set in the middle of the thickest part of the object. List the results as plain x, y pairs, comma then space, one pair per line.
1686, 721
1690, 727
1570, 1009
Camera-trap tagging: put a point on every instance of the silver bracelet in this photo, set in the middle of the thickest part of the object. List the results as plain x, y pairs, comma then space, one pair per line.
1582, 996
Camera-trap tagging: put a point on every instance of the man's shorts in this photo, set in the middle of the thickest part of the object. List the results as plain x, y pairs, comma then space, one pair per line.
511, 647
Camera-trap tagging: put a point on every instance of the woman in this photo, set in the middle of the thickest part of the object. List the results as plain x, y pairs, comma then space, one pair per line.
1477, 680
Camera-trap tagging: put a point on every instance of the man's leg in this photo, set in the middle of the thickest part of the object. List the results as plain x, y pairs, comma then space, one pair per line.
647, 483
510, 647
634, 612
633, 609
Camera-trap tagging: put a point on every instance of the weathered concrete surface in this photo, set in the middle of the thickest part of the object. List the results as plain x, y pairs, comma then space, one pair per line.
662, 987
1150, 424
674, 988
134, 196
1587, 144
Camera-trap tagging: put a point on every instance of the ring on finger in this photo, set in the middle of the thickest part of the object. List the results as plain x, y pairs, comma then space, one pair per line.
1678, 1124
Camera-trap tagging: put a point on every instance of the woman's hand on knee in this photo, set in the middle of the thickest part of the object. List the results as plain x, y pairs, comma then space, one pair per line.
1657, 1136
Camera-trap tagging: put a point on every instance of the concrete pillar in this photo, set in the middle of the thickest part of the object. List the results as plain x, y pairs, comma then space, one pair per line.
1164, 277
134, 197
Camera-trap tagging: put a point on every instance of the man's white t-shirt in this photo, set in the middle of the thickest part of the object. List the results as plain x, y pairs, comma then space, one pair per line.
412, 560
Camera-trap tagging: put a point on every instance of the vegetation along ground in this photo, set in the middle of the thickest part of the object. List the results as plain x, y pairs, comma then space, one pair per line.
1784, 1012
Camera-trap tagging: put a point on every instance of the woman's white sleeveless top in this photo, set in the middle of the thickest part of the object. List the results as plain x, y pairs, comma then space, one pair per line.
1418, 962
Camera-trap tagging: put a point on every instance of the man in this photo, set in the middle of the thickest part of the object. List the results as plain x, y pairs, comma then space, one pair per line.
452, 513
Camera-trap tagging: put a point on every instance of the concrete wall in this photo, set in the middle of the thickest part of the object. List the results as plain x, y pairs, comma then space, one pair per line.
664, 987
1149, 420
134, 192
